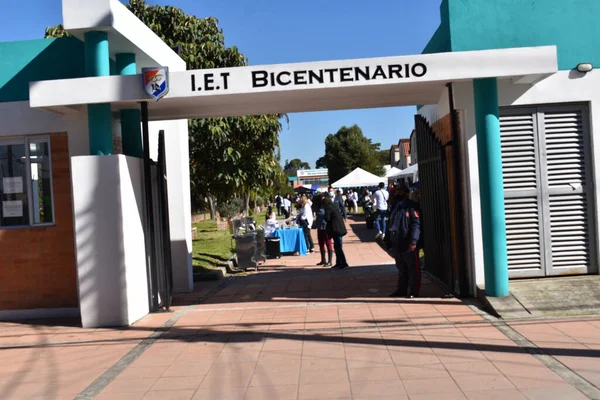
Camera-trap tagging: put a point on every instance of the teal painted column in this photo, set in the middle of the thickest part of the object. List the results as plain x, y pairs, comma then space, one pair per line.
131, 129
489, 150
97, 63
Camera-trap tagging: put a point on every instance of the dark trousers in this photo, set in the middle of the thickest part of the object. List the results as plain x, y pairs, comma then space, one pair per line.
325, 242
340, 257
409, 273
307, 236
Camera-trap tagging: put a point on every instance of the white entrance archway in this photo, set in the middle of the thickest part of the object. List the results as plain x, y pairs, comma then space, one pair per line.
300, 87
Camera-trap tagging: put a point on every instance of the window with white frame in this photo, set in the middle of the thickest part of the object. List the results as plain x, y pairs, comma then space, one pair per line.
26, 182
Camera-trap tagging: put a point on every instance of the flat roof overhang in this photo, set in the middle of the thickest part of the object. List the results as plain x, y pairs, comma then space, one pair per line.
241, 97
126, 33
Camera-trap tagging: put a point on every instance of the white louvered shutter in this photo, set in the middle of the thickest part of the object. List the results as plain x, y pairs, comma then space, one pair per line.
567, 188
521, 193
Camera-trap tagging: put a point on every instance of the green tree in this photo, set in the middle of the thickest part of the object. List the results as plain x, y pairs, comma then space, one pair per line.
349, 149
228, 156
321, 162
383, 156
291, 167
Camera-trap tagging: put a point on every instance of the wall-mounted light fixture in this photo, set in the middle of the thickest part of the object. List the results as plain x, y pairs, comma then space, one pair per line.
585, 67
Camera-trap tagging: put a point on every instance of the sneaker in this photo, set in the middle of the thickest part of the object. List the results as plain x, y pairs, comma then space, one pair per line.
379, 236
322, 263
382, 236
397, 293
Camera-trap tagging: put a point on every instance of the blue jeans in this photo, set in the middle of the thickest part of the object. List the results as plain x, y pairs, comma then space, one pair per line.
380, 214
340, 257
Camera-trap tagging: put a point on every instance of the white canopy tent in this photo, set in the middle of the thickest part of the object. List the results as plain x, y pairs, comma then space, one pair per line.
358, 178
410, 172
393, 171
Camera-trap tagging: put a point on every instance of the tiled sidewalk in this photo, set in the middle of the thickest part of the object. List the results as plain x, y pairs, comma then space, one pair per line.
301, 332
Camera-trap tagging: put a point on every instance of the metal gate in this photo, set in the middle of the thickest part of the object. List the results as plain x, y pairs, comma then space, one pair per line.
440, 212
161, 284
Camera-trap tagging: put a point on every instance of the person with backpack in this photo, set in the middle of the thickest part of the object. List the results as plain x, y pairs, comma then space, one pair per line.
405, 232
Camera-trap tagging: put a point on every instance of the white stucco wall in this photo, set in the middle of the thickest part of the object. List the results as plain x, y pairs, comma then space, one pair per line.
180, 209
109, 240
562, 87
19, 119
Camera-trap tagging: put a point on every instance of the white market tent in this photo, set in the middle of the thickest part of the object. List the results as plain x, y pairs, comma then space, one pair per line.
358, 178
392, 172
410, 172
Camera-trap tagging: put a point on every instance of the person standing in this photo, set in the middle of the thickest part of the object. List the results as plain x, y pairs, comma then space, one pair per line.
325, 241
279, 204
354, 200
287, 206
339, 203
381, 203
405, 231
305, 220
336, 229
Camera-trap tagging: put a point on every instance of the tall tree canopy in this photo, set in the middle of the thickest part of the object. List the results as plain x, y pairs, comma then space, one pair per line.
349, 149
321, 162
383, 157
228, 156
292, 166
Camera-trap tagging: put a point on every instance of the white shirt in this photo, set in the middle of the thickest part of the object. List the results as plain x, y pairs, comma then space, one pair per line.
271, 226
306, 213
381, 198
287, 204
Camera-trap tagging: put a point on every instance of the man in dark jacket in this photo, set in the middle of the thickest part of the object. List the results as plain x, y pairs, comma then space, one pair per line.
336, 229
405, 229
339, 202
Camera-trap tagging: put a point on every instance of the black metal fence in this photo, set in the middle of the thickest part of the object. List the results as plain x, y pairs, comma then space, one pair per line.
435, 199
163, 286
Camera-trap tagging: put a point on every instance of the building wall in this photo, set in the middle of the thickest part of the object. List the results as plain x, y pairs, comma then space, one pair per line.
563, 87
570, 25
484, 24
35, 60
38, 263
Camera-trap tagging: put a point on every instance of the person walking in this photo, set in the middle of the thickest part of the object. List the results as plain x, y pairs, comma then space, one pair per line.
279, 204
336, 229
305, 220
381, 203
405, 231
325, 241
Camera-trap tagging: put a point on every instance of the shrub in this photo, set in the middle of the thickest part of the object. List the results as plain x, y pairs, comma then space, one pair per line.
230, 208
259, 201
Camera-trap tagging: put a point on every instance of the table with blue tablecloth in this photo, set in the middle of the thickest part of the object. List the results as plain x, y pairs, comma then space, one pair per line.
291, 240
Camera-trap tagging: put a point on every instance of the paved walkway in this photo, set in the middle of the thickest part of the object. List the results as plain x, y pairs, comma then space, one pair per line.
303, 332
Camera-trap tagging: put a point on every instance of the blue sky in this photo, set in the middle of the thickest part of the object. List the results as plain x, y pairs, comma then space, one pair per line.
275, 31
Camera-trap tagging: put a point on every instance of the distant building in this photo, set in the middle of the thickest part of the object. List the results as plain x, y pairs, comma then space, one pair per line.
293, 181
405, 160
394, 155
413, 148
313, 177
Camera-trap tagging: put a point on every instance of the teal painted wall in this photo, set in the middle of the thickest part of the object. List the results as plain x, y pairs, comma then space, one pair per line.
440, 41
35, 60
571, 25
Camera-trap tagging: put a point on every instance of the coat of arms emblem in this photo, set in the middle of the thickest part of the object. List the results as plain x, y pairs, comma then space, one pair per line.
156, 81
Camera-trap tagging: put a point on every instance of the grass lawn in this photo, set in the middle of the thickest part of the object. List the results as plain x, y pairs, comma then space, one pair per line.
212, 247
